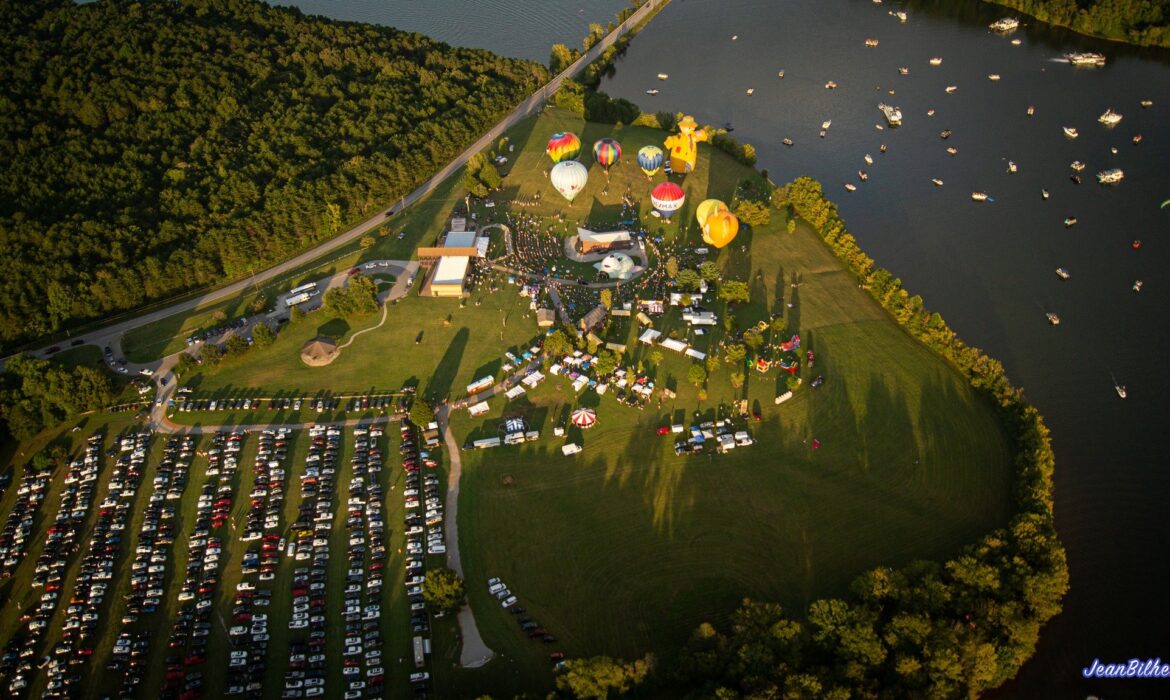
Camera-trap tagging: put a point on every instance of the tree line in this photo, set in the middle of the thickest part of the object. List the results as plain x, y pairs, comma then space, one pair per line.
155, 148
1142, 22
36, 394
930, 629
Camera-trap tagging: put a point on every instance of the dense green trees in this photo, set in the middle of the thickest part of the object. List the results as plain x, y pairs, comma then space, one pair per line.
360, 296
443, 590
1145, 22
928, 629
152, 148
36, 393
597, 677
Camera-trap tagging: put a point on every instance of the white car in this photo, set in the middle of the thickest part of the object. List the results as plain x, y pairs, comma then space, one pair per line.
509, 602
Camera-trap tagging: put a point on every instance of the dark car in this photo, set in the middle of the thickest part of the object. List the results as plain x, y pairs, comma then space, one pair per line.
818, 381
79, 341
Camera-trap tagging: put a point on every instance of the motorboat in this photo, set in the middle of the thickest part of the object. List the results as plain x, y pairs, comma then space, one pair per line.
1077, 165
993, 76
1031, 110
734, 37
937, 182
903, 70
1043, 194
1111, 176
1011, 166
1062, 273
979, 196
850, 187
1119, 389
1053, 318
944, 134
826, 124
930, 112
1137, 285
862, 175
868, 159
893, 114
936, 61
831, 85
1113, 150
1007, 24
1146, 104
951, 88
882, 148
871, 42
751, 91
899, 14
952, 150
1076, 179
1070, 221
1016, 42
663, 76
1110, 118
1086, 59
822, 134
1070, 132
651, 92
787, 142
1137, 138
780, 74
879, 127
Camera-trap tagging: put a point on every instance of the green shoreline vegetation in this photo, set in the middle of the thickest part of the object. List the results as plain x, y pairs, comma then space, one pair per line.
1139, 22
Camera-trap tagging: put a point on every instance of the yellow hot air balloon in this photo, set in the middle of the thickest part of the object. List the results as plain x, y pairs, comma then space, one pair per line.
708, 207
720, 228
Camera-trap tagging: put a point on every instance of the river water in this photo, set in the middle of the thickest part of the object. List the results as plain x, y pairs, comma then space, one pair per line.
988, 268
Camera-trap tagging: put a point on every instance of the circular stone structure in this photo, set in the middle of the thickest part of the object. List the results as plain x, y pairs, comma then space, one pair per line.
319, 352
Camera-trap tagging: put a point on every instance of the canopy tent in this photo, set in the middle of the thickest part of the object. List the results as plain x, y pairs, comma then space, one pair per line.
584, 418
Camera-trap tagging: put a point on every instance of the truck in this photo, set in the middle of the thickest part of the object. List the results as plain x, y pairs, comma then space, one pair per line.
297, 299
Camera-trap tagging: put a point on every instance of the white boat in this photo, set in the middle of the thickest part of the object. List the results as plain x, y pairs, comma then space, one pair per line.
1119, 388
651, 92
930, 112
868, 159
663, 76
1007, 24
1062, 273
871, 42
787, 142
879, 127
1011, 166
1086, 59
1031, 110
1070, 132
850, 187
936, 61
1016, 42
903, 70
831, 85
1146, 103
900, 15
937, 182
1070, 221
734, 37
1043, 194
862, 175
1113, 150
979, 196
951, 88
952, 150
823, 132
780, 74
893, 114
1137, 138
826, 124
993, 76
751, 91
1111, 176
1077, 165
1137, 285
1110, 118
1053, 318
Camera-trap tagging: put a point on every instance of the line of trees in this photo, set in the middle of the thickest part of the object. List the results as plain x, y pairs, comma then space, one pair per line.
929, 629
154, 148
37, 393
1142, 22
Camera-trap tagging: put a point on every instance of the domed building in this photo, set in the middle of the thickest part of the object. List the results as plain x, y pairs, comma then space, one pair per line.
319, 351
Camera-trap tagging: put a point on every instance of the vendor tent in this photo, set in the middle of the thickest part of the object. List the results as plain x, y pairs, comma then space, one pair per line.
584, 418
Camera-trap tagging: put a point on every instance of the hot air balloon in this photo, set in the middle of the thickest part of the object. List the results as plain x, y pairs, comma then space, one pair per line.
563, 146
708, 207
607, 152
720, 228
667, 198
650, 159
569, 178
684, 146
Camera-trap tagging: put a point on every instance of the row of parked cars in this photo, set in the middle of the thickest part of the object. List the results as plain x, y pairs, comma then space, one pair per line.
199, 337
30, 493
186, 403
62, 540
148, 572
424, 523
527, 625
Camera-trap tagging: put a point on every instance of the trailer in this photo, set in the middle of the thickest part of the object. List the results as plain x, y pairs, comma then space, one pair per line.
480, 384
297, 299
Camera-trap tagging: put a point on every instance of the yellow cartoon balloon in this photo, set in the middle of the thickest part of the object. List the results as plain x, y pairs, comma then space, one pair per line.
684, 146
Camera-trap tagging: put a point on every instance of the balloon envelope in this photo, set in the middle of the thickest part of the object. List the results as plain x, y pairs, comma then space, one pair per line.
650, 159
720, 228
667, 198
563, 146
607, 152
569, 178
708, 207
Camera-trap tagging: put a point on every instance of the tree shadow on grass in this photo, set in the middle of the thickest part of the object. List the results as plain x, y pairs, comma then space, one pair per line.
334, 328
439, 384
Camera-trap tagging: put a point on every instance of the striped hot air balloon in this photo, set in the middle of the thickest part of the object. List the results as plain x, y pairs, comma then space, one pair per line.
720, 228
667, 198
607, 152
563, 146
708, 207
650, 159
569, 178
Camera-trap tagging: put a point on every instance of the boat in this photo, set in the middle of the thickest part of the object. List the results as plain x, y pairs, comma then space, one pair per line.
663, 76
944, 134
1077, 165
871, 42
899, 14
751, 91
780, 74
831, 85
1062, 273
1137, 285
822, 134
893, 114
1070, 132
951, 88
930, 112
882, 148
651, 92
862, 175
1119, 389
1146, 104
903, 70
1069, 222
993, 76
1007, 24
868, 159
1043, 194
979, 196
936, 61
937, 182
1110, 118
1016, 42
1113, 150
1011, 166
1137, 138
952, 150
1076, 179
1086, 59
787, 142
1053, 318
1031, 110
1111, 176
850, 187
734, 37
879, 127
826, 124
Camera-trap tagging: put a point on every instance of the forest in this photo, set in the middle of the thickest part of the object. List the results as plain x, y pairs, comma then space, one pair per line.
1142, 22
153, 148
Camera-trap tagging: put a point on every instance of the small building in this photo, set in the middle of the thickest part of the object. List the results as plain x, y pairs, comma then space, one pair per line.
602, 242
592, 320
431, 434
672, 344
319, 351
545, 318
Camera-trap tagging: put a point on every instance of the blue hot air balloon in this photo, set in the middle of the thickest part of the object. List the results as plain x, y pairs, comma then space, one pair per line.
650, 159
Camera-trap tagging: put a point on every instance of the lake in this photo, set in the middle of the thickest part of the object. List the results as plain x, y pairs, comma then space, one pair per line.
988, 268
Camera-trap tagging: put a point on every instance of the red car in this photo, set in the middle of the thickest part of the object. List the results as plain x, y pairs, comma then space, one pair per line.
664, 430
354, 271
